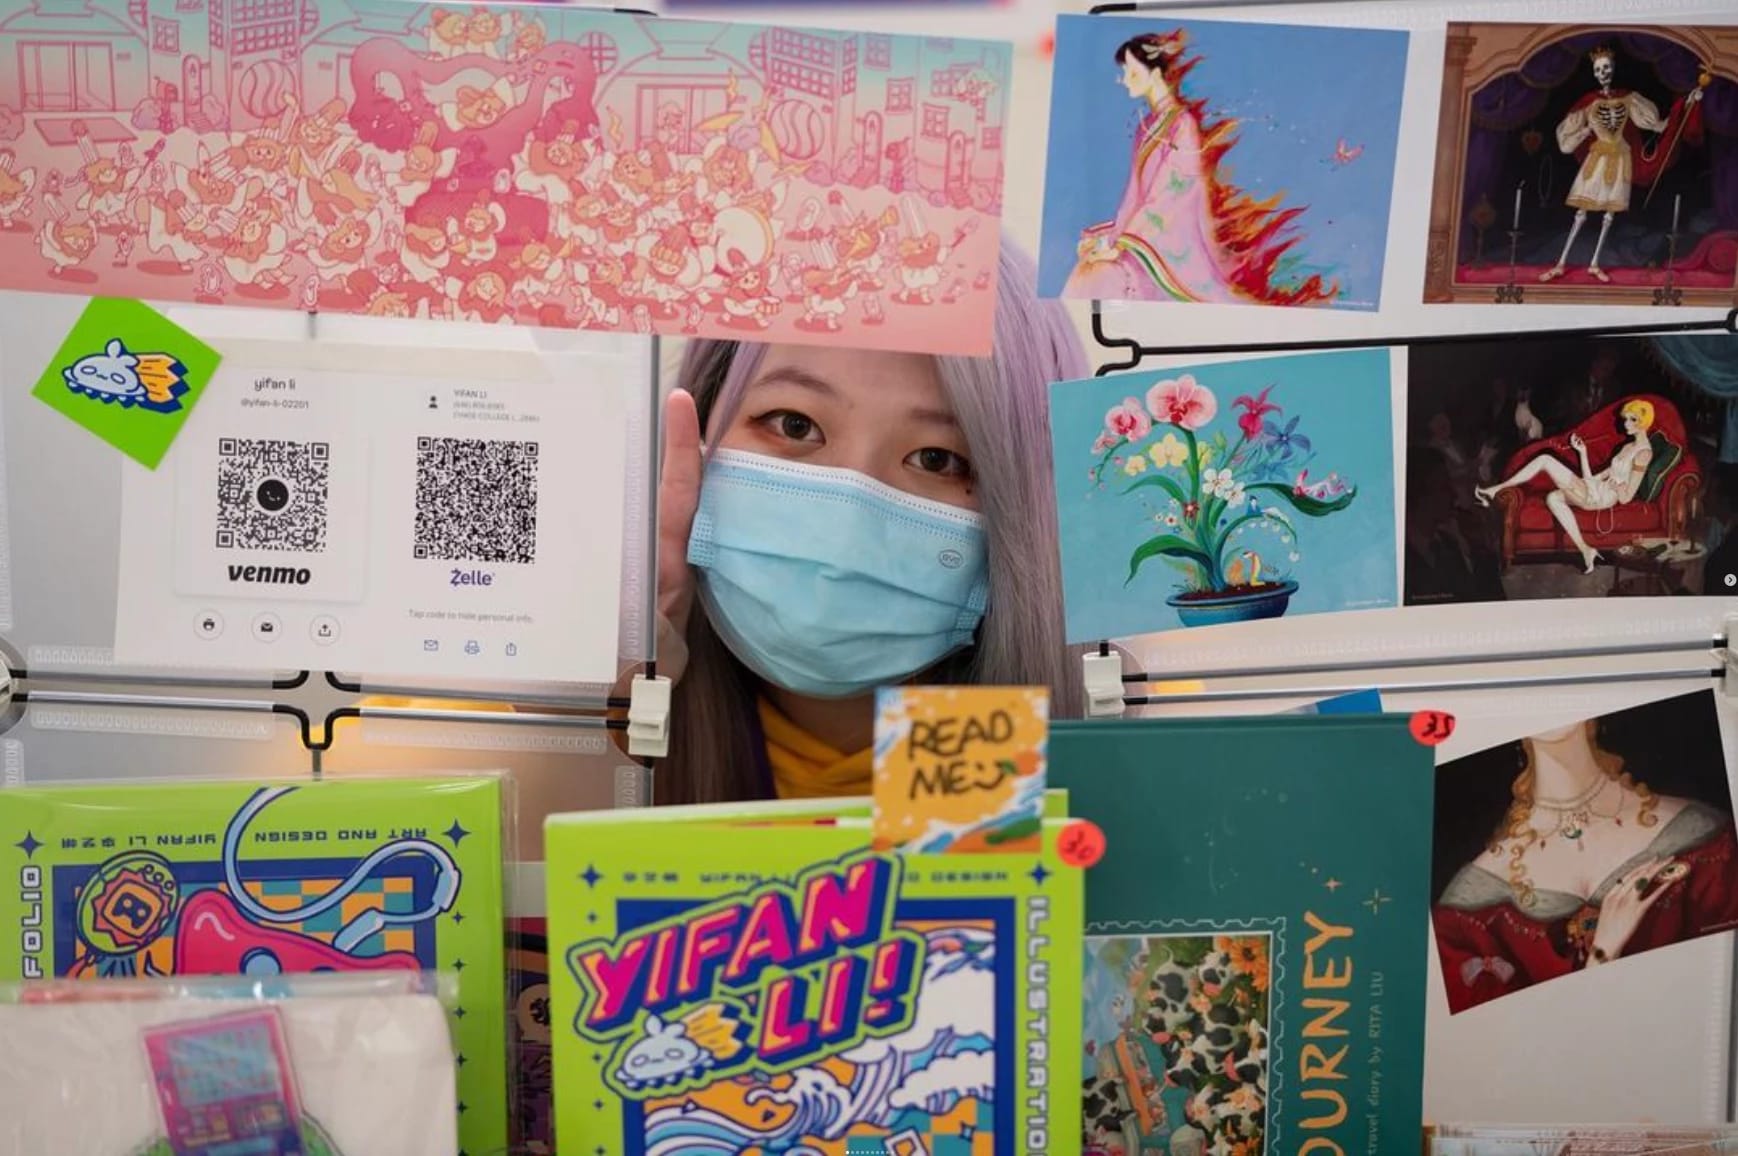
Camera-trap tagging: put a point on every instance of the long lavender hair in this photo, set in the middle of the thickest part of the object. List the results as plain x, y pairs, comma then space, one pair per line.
1001, 403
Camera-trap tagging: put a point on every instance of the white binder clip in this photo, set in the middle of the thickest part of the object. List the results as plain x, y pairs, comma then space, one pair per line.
1103, 685
649, 717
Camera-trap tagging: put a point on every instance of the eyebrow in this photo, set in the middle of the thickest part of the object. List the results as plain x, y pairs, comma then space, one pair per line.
803, 379
934, 416
790, 375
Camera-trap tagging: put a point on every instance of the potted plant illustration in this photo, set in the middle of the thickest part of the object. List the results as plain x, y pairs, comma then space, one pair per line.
1211, 500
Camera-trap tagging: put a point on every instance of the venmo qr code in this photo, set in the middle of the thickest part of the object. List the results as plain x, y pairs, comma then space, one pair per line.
476, 500
271, 495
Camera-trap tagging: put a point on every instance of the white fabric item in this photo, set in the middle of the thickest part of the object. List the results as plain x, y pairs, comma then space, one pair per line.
376, 1072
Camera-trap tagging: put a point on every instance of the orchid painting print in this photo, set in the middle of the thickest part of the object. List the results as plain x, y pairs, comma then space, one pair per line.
1228, 492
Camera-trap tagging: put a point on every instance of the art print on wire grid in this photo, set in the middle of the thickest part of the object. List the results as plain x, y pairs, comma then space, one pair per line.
1589, 166
931, 1077
1196, 168
545, 165
1582, 845
1222, 493
1179, 1040
224, 880
1503, 505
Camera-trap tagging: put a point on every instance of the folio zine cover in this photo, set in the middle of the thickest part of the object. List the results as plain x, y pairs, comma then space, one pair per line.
759, 979
272, 878
1255, 934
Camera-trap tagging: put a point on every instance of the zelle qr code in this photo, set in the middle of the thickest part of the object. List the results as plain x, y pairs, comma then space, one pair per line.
476, 500
271, 495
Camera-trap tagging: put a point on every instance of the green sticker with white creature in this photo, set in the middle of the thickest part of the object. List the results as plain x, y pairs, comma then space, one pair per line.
129, 375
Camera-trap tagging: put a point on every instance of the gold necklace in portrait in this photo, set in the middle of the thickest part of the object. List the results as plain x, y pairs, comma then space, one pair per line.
1571, 816
1575, 815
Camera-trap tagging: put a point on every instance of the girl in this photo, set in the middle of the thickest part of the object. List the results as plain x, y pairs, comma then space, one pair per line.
1587, 489
1183, 231
854, 519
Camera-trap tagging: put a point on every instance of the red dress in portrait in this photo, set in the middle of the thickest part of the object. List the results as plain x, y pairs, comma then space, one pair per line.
1491, 946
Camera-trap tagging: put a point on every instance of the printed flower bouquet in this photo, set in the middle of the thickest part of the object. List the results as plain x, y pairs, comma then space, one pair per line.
1217, 498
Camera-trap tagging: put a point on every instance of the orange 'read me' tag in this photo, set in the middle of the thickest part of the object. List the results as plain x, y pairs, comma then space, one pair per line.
960, 769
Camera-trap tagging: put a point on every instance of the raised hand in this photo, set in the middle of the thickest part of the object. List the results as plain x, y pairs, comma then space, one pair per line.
678, 498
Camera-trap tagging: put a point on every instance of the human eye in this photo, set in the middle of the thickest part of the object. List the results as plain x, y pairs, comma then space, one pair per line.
789, 425
941, 462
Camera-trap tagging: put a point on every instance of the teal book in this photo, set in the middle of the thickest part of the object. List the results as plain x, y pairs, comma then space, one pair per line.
261, 879
758, 978
1256, 932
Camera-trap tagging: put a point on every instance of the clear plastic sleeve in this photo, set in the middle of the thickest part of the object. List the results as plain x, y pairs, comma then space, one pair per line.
328, 1065
357, 878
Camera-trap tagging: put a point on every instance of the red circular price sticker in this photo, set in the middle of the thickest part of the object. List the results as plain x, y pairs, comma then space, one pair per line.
1081, 843
1432, 727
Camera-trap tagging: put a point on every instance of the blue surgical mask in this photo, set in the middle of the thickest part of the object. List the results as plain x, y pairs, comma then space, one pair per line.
828, 583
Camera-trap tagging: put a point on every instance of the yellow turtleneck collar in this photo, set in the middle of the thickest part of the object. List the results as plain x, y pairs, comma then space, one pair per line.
804, 767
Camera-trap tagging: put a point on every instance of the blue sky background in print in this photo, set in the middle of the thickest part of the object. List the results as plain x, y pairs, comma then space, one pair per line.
1293, 111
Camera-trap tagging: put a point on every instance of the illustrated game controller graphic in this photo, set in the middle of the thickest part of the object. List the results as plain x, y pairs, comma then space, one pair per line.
134, 898
215, 938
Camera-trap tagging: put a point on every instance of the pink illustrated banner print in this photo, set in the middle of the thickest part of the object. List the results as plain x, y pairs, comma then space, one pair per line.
542, 165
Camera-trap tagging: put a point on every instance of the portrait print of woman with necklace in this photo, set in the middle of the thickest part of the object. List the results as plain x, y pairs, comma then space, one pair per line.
1610, 836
